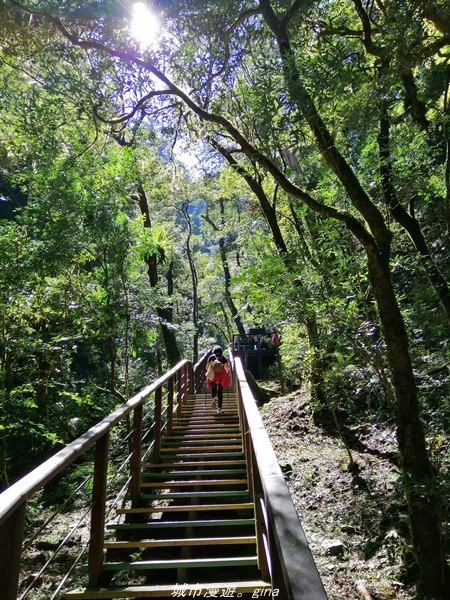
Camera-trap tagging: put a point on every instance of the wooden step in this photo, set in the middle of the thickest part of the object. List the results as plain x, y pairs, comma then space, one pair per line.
228, 393
193, 473
182, 542
199, 437
197, 495
189, 563
206, 406
186, 442
196, 449
185, 508
200, 590
209, 422
189, 465
157, 524
160, 485
202, 456
204, 432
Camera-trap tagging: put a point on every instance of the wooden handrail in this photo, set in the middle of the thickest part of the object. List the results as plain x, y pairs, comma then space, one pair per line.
290, 562
24, 488
13, 499
200, 372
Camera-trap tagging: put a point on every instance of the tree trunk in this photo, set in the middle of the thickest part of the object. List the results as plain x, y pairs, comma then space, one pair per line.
235, 316
310, 321
164, 312
194, 279
420, 491
407, 221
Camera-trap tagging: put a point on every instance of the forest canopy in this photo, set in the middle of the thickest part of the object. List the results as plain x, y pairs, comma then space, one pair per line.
271, 163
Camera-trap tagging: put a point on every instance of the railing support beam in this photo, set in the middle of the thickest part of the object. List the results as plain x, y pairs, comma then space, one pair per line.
157, 425
95, 562
136, 457
11, 537
170, 406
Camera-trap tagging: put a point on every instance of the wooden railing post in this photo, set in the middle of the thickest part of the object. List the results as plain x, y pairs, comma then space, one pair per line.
136, 456
11, 537
157, 425
278, 577
262, 526
170, 406
184, 379
190, 372
199, 373
95, 561
179, 394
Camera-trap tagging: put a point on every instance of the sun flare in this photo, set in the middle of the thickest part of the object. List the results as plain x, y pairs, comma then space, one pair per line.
144, 26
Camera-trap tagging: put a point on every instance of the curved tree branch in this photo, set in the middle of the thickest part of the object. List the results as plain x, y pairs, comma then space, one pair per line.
370, 46
127, 116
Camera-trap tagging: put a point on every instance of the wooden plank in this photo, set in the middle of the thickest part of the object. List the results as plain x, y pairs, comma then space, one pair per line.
166, 591
190, 563
193, 427
186, 507
98, 511
211, 421
250, 539
209, 412
209, 494
157, 409
199, 437
193, 473
208, 445
193, 482
201, 398
212, 463
11, 537
195, 449
201, 455
157, 524
136, 455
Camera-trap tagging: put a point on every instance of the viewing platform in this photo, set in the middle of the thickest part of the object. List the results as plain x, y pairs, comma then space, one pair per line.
256, 350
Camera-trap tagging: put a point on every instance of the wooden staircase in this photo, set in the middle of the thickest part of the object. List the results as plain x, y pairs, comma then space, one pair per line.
194, 529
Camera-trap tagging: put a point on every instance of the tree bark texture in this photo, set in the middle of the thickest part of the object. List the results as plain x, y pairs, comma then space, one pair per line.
420, 489
235, 316
407, 221
164, 312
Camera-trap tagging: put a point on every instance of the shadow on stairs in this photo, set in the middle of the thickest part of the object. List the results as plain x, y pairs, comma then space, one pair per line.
193, 534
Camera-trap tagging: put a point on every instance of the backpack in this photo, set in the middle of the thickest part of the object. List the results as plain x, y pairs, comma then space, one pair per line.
217, 366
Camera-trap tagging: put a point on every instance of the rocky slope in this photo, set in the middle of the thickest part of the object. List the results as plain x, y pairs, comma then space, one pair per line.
354, 519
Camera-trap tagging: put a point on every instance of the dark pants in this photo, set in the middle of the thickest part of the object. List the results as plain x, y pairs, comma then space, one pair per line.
217, 392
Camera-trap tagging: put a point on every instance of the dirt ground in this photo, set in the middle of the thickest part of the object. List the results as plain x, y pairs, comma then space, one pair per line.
354, 520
